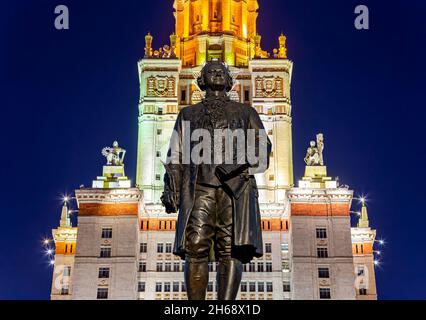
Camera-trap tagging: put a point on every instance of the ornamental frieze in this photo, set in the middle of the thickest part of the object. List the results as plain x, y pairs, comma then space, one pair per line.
269, 87
160, 86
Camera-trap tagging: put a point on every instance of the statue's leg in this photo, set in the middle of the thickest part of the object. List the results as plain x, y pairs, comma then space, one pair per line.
229, 270
199, 236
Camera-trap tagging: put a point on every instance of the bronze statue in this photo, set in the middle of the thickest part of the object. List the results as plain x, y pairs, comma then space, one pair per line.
219, 217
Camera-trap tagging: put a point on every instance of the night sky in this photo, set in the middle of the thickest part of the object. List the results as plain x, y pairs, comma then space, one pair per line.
66, 94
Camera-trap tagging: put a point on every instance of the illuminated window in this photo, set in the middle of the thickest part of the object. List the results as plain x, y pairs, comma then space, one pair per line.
67, 271
271, 177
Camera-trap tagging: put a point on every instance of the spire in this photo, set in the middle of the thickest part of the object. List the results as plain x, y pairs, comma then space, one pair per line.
363, 219
65, 217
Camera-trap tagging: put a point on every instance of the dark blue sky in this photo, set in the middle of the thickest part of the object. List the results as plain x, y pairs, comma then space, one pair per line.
66, 94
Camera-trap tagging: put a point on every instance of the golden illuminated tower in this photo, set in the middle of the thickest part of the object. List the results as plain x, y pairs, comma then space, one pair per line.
65, 238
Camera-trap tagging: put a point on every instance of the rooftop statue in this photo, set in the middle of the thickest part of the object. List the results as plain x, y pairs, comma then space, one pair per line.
314, 153
114, 155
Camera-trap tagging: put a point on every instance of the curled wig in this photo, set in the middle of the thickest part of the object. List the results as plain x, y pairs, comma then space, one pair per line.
201, 81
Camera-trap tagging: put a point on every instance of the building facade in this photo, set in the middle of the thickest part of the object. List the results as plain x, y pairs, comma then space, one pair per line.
125, 238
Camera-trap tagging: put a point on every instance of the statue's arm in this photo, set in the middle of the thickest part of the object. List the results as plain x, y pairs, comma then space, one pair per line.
173, 175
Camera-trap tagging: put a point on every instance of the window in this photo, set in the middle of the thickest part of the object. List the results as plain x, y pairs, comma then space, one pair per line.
143, 247
159, 266
322, 253
210, 286
268, 247
252, 267
142, 267
183, 95
67, 271
168, 267
157, 177
210, 267
260, 267
176, 266
252, 286
271, 177
243, 286
65, 290
160, 110
175, 286
102, 293
269, 287
260, 287
183, 286
103, 273
246, 95
141, 286
360, 271
158, 287
166, 286
268, 266
168, 247
284, 247
321, 233
160, 247
286, 286
105, 252
158, 154
106, 233
325, 293
362, 292
270, 132
323, 273
159, 131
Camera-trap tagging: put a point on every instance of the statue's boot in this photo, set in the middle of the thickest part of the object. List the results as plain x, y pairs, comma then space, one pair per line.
229, 275
196, 275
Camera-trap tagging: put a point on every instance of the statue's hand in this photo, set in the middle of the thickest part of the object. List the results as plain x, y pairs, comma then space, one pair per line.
170, 201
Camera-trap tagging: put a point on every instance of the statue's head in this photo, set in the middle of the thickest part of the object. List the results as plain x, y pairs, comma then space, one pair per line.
312, 143
216, 76
115, 144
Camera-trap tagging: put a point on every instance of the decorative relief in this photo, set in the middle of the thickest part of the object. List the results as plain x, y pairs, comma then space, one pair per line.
160, 86
269, 87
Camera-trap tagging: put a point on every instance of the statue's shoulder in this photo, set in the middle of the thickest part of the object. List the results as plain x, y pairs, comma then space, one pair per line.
190, 110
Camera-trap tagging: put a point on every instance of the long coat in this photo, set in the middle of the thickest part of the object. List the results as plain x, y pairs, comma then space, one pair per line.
247, 233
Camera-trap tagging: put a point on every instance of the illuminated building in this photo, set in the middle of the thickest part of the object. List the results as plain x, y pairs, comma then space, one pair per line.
299, 224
